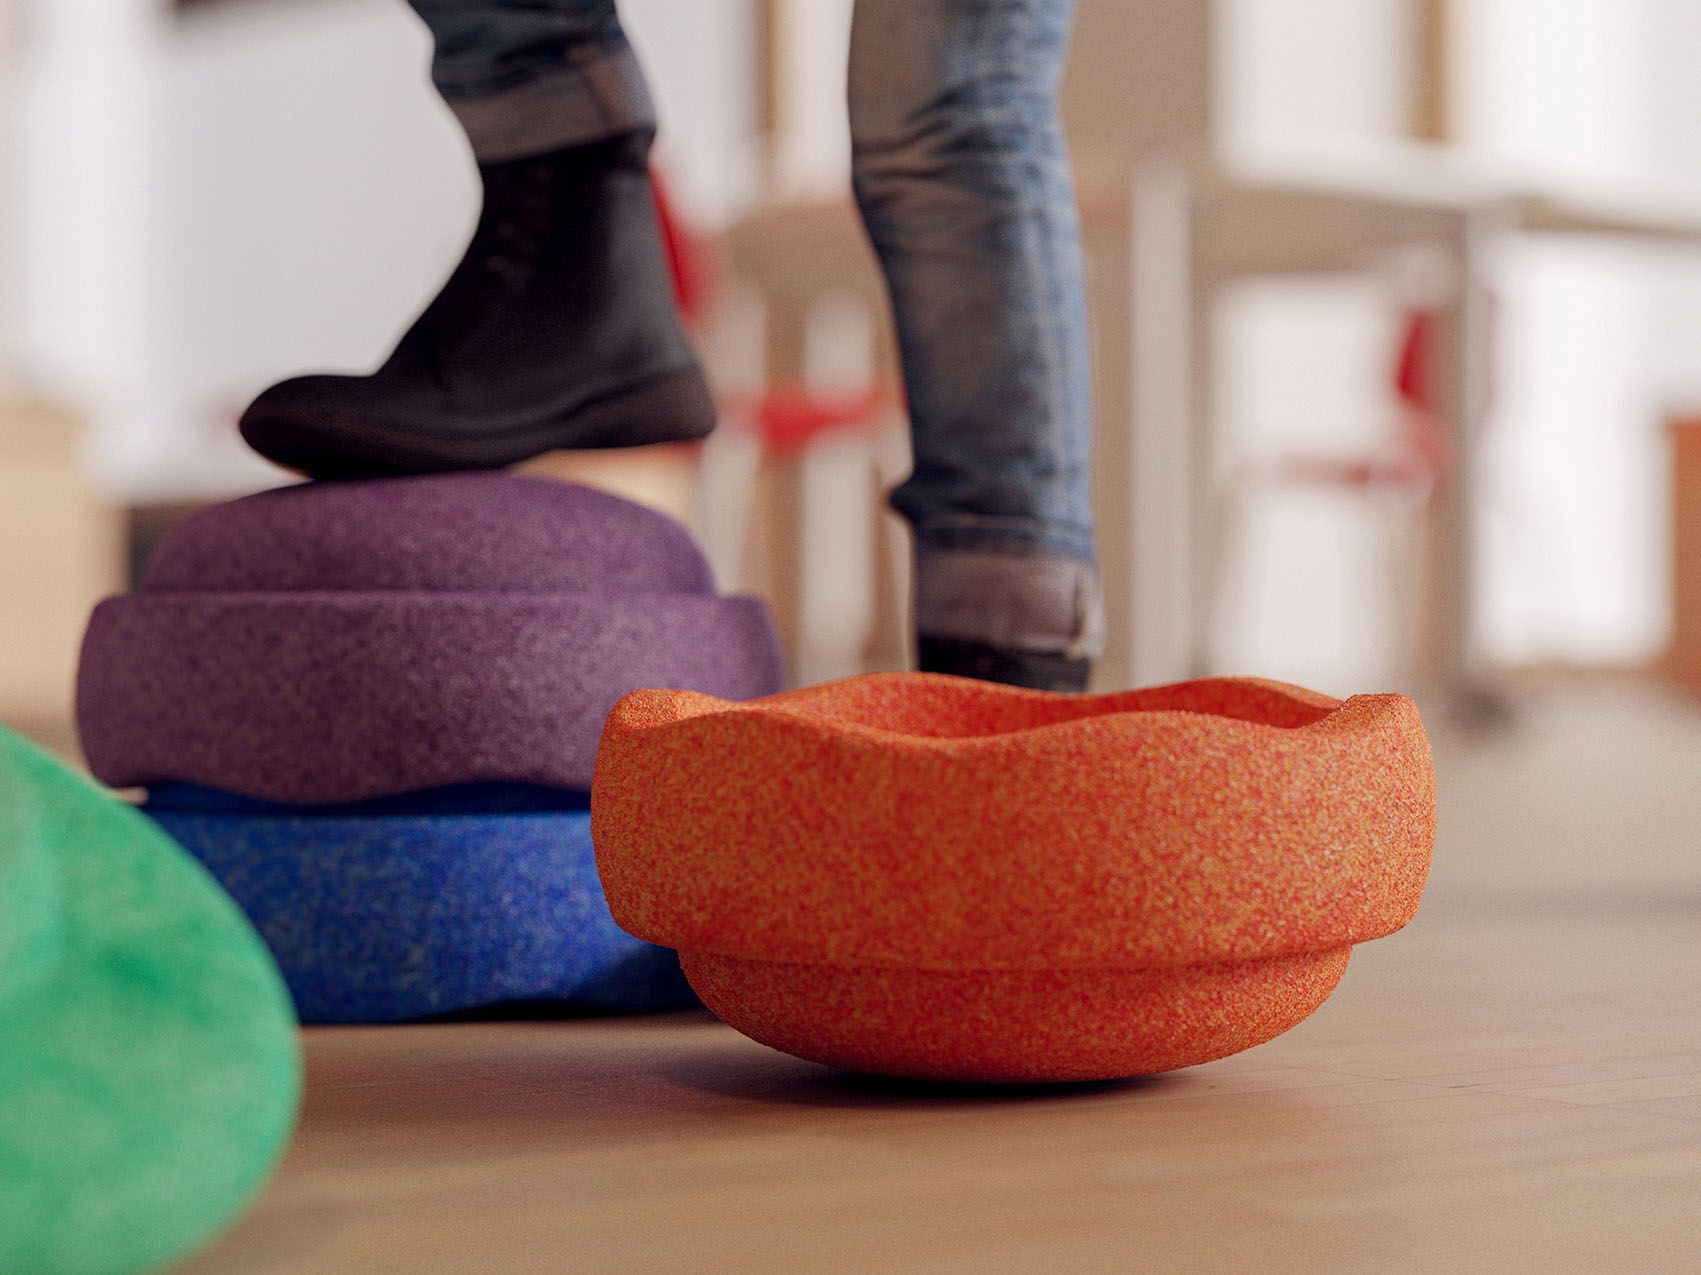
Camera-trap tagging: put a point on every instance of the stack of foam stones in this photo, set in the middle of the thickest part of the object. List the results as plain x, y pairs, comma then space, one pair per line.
371, 710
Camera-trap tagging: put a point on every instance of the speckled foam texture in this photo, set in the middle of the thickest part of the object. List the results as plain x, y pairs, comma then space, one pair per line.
372, 708
379, 917
466, 533
148, 1066
335, 642
337, 697
926, 876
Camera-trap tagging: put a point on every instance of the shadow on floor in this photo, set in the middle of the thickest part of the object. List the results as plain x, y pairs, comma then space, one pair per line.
777, 1079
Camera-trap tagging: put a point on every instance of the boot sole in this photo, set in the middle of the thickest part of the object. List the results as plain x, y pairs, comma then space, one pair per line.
676, 408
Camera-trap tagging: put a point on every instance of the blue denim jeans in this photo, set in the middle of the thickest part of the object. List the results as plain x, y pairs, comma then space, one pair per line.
960, 171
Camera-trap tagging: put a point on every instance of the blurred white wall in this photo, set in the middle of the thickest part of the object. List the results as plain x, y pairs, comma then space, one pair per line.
86, 216
1583, 92
1302, 74
812, 140
317, 192
1668, 143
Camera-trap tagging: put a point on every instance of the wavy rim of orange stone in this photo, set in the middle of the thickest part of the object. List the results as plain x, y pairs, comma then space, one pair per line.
923, 822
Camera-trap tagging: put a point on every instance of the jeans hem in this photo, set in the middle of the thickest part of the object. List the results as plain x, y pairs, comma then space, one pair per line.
588, 98
1028, 600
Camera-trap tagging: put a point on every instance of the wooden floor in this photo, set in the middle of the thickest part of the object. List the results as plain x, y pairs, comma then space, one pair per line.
1512, 1084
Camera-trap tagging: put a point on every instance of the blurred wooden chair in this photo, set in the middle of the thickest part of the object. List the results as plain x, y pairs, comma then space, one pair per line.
792, 486
61, 551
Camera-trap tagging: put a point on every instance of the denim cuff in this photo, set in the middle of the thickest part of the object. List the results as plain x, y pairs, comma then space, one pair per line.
1027, 601
598, 93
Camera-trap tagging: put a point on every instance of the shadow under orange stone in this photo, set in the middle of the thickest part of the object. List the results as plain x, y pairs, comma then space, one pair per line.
929, 877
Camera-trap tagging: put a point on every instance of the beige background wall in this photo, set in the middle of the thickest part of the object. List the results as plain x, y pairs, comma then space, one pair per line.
60, 551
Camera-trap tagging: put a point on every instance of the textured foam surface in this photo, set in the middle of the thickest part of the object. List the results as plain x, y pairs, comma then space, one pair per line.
337, 697
337, 642
382, 917
933, 877
1015, 1026
148, 1067
485, 532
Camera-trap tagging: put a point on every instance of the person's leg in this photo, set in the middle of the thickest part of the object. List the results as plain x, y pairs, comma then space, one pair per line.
558, 328
525, 78
964, 185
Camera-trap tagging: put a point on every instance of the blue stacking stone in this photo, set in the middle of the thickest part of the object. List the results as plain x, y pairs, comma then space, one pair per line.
425, 904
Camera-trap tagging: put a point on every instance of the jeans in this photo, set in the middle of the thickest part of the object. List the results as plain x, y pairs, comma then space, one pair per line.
963, 181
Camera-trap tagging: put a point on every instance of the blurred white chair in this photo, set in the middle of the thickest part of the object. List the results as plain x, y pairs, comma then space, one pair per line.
1392, 479
1168, 219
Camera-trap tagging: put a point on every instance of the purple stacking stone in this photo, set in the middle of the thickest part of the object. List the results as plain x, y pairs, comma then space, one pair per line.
461, 533
340, 642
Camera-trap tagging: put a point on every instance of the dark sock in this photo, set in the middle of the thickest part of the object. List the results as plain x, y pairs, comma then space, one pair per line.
1039, 670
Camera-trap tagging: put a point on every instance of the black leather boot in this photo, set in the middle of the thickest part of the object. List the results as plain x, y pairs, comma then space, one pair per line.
557, 330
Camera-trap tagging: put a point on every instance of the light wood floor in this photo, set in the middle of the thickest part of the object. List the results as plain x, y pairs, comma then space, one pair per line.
1513, 1084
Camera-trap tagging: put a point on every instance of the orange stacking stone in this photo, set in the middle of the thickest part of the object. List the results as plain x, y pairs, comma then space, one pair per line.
926, 876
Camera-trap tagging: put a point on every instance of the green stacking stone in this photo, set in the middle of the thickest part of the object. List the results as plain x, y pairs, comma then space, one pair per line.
149, 1072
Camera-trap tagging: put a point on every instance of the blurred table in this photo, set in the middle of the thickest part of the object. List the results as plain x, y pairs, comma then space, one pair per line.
1164, 236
